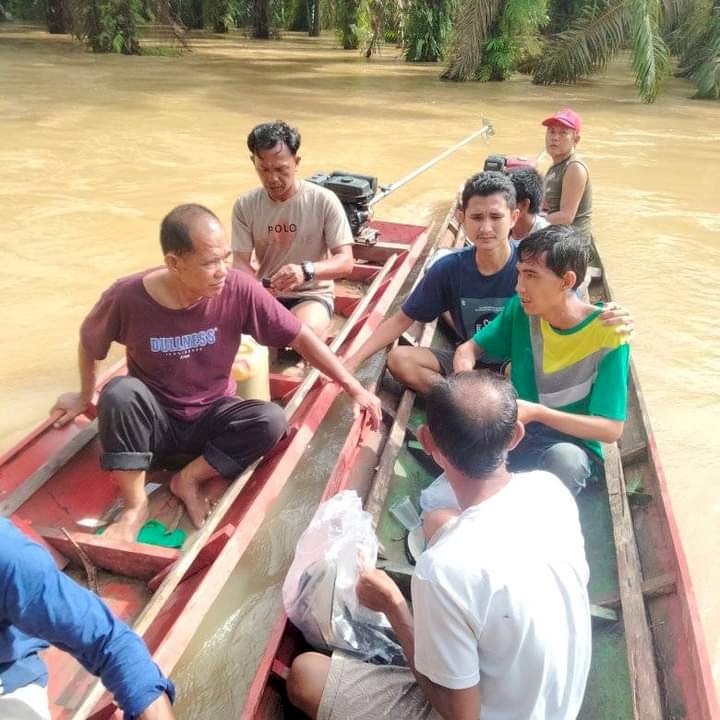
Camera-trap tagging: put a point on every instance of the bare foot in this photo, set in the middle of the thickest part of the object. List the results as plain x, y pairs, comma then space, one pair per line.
128, 525
196, 504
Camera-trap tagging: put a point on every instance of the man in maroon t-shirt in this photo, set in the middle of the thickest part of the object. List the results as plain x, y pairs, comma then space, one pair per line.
181, 326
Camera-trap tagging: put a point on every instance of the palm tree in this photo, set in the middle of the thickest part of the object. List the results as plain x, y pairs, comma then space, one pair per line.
491, 36
600, 31
698, 45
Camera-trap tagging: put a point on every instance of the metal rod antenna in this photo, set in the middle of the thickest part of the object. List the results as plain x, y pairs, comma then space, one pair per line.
486, 131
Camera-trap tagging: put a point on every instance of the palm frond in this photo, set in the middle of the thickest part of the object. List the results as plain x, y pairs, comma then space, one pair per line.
473, 21
586, 46
701, 60
650, 54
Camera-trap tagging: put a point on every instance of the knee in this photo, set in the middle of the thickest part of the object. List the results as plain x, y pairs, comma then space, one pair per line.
275, 424
399, 361
568, 462
306, 681
119, 394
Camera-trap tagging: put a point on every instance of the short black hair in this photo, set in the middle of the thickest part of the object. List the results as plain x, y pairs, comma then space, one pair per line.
267, 135
176, 225
563, 248
528, 185
472, 416
489, 183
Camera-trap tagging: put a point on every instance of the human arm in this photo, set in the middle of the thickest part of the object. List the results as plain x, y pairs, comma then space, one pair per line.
161, 709
242, 261
42, 602
72, 404
291, 276
466, 355
319, 356
388, 331
585, 427
573, 187
378, 592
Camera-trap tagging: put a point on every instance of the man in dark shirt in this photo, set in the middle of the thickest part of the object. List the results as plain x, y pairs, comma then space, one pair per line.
181, 325
40, 606
472, 285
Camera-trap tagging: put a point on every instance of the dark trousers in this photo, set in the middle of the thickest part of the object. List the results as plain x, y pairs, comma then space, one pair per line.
136, 430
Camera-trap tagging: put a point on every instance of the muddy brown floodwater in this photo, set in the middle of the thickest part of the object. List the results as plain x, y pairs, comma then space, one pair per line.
96, 149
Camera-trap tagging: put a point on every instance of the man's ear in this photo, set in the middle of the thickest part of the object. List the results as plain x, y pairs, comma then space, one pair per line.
569, 279
252, 160
518, 435
426, 439
514, 215
297, 160
172, 261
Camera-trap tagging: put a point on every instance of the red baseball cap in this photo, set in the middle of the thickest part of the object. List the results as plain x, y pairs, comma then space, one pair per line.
567, 117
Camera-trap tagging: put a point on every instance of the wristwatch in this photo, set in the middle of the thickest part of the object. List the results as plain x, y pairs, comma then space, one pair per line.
308, 269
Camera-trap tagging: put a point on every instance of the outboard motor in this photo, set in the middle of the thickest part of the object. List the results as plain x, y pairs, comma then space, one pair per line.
503, 163
355, 193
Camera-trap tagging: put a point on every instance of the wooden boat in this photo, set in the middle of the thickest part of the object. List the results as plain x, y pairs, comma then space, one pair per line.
649, 655
51, 485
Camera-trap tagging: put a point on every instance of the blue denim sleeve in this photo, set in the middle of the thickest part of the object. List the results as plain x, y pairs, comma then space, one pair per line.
43, 602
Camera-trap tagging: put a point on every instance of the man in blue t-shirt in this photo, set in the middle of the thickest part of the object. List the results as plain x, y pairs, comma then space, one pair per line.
472, 285
40, 606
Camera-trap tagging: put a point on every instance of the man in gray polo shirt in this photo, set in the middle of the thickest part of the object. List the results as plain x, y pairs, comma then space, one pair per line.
297, 230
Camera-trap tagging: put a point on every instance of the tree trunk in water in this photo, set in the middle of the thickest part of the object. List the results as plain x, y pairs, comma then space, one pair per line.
262, 19
56, 21
315, 28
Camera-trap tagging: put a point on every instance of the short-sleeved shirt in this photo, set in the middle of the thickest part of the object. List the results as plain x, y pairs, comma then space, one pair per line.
305, 227
455, 285
39, 605
582, 370
500, 601
185, 356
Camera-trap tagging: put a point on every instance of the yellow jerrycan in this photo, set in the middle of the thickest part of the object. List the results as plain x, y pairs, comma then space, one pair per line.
251, 370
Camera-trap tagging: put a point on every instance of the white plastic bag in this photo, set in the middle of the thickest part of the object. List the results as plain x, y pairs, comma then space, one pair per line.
319, 590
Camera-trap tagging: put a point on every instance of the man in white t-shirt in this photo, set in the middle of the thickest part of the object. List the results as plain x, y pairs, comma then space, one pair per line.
528, 184
298, 231
500, 628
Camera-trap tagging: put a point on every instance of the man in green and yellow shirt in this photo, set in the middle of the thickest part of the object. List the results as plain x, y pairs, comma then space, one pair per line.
569, 369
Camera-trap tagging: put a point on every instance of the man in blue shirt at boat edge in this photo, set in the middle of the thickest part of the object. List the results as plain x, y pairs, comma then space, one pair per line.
39, 605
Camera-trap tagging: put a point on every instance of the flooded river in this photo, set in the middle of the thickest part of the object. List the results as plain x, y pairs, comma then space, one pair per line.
95, 150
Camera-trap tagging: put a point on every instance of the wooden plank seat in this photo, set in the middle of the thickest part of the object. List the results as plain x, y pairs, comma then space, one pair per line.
131, 560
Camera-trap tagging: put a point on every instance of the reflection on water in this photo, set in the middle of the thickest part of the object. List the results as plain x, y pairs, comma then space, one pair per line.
96, 149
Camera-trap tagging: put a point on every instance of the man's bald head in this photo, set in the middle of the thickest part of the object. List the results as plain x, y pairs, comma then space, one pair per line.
472, 418
177, 227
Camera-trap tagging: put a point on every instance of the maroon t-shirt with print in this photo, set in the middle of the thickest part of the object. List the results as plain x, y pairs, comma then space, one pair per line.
185, 356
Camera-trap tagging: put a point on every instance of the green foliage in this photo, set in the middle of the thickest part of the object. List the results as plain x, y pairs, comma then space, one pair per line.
585, 47
299, 14
33, 10
700, 53
491, 38
108, 25
650, 54
219, 15
428, 25
473, 22
353, 23
188, 12
598, 34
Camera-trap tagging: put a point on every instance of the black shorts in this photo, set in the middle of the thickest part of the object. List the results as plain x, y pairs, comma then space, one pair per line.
291, 302
445, 361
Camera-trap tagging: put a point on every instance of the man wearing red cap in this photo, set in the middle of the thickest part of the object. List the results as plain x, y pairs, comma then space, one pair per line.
568, 195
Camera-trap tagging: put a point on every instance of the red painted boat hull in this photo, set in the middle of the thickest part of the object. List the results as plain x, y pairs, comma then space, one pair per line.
80, 489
